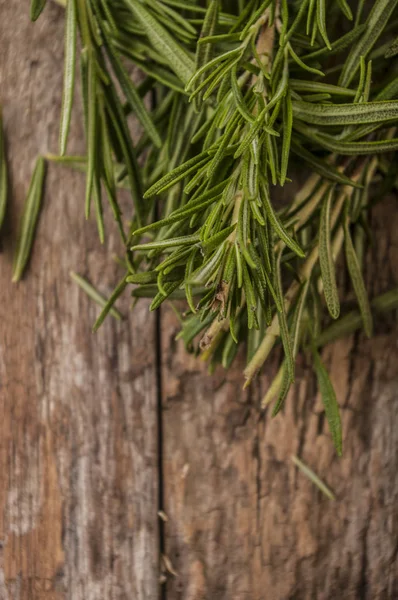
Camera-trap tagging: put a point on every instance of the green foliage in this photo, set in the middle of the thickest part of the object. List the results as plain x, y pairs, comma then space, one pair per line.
232, 103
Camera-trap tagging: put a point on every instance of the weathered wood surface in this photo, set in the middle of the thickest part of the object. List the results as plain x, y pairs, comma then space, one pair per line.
78, 437
78, 440
243, 522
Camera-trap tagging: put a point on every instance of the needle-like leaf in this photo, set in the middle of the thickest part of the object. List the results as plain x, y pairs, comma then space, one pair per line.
29, 220
357, 281
69, 73
177, 59
377, 20
326, 258
94, 294
36, 8
329, 400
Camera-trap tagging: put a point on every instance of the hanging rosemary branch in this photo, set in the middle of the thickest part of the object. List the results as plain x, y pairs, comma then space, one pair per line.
235, 98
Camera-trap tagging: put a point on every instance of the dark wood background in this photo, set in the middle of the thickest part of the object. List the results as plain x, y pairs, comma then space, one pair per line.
98, 433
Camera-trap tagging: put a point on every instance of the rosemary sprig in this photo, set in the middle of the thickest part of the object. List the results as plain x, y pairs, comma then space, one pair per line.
231, 103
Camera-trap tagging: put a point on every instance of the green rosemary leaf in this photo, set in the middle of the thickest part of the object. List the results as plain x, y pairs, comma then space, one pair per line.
84, 86
287, 133
367, 83
239, 268
313, 476
354, 148
282, 318
69, 73
214, 39
357, 281
36, 8
329, 400
344, 326
29, 220
169, 243
277, 225
296, 333
173, 15
326, 259
179, 215
98, 206
229, 352
376, 21
92, 128
316, 97
361, 83
254, 17
176, 257
177, 174
326, 170
109, 170
352, 321
214, 241
237, 94
150, 291
203, 53
280, 385
302, 85
297, 324
253, 132
310, 13
143, 278
345, 9
345, 114
189, 269
130, 92
302, 64
321, 21
340, 44
212, 63
251, 301
119, 289
392, 50
210, 267
177, 59
282, 85
160, 297
119, 128
3, 174
94, 294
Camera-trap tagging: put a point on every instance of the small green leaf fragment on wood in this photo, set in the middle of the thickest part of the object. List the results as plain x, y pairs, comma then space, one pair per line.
36, 8
94, 294
313, 477
329, 401
29, 220
119, 289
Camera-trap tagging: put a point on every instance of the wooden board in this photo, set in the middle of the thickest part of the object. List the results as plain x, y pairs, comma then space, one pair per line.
244, 524
79, 429
78, 432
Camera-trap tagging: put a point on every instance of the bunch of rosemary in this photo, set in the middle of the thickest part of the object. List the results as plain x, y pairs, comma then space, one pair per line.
235, 97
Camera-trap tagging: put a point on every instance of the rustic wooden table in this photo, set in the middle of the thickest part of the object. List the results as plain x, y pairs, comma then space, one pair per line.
100, 432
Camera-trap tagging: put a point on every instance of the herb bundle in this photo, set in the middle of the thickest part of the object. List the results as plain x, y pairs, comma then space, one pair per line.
234, 96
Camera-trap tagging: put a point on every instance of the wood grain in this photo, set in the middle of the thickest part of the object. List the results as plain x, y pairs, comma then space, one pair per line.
78, 437
243, 522
79, 478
